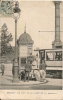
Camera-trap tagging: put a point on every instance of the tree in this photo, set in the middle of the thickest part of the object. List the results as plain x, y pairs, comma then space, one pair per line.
6, 37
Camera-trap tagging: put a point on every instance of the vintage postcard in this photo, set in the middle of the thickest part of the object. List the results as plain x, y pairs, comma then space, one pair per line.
31, 49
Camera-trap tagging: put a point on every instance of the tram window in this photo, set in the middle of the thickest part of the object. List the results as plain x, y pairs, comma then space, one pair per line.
49, 56
43, 55
58, 55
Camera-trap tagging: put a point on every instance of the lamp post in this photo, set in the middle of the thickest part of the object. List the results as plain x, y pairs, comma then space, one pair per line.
16, 15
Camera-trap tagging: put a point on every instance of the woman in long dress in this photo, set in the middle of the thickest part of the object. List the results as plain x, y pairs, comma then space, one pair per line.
35, 70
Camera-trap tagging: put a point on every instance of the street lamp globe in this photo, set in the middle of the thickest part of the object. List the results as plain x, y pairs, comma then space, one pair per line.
16, 11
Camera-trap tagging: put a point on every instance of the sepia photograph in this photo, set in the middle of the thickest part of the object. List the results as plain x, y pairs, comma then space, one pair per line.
31, 45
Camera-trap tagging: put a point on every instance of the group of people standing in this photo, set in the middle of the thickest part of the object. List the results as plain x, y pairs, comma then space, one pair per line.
32, 70
35, 72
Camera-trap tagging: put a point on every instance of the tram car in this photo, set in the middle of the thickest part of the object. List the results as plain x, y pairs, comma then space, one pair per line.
53, 59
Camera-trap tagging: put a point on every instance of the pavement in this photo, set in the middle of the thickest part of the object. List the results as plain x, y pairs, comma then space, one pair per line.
6, 81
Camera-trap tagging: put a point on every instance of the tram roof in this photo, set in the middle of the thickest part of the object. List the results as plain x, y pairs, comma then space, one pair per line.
49, 49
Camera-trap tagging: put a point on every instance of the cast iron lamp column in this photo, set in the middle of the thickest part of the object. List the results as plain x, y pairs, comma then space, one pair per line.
16, 15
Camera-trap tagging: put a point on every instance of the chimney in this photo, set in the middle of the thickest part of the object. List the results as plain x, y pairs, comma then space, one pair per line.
57, 42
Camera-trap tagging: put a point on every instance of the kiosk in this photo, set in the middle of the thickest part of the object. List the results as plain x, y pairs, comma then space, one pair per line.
25, 44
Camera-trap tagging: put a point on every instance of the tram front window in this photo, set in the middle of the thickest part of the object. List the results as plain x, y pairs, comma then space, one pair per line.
58, 55
49, 56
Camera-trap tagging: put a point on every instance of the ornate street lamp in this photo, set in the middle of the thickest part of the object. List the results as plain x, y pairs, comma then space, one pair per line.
16, 15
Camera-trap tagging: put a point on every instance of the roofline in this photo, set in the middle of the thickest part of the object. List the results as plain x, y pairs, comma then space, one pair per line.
21, 43
48, 49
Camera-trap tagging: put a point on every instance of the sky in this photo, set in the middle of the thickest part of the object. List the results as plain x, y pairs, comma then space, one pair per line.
38, 16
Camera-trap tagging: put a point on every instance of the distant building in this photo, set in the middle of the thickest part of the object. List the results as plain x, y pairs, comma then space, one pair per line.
25, 44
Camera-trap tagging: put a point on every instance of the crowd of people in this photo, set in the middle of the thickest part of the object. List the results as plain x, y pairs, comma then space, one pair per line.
33, 72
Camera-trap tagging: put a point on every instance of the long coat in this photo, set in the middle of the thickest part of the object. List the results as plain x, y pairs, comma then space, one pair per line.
28, 67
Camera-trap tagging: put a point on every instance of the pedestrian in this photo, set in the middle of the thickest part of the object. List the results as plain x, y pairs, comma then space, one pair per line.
2, 68
34, 67
38, 61
13, 67
43, 71
27, 69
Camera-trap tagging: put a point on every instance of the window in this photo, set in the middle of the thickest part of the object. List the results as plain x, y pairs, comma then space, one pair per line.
42, 54
23, 60
49, 56
58, 55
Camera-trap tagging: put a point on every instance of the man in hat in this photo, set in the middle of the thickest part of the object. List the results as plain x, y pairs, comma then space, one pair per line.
2, 68
43, 70
27, 69
34, 67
